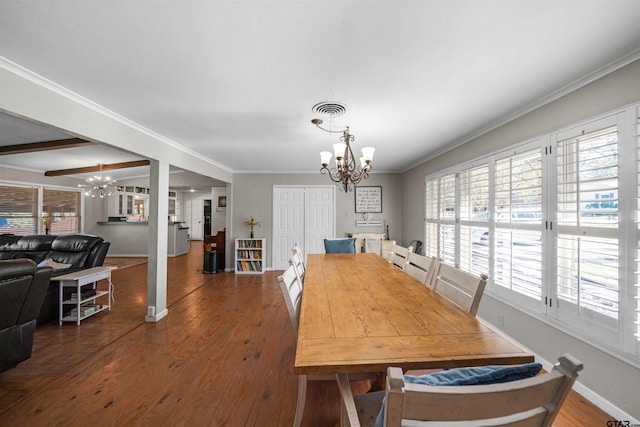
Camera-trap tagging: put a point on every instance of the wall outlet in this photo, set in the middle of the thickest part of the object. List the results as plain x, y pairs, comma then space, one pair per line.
500, 320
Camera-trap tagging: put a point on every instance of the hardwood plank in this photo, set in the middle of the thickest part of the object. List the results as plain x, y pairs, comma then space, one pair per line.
223, 356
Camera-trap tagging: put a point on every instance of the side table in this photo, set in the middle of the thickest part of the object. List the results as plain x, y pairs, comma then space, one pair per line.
79, 280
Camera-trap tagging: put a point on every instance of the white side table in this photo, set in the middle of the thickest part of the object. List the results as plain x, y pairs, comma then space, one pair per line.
78, 280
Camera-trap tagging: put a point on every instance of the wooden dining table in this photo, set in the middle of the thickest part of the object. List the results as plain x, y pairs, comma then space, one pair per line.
359, 313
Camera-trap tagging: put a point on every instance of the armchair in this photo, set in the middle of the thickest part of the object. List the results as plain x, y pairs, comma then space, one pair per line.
22, 290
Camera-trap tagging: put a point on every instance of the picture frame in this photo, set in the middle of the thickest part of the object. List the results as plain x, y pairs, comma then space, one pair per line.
222, 201
368, 199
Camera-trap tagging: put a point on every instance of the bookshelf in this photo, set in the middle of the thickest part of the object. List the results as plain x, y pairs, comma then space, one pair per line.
249, 254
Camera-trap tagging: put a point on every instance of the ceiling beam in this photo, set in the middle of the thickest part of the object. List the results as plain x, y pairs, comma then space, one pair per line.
32, 147
98, 168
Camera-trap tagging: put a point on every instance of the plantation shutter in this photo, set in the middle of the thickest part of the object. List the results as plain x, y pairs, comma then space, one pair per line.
587, 249
474, 220
441, 218
637, 219
517, 264
431, 218
18, 210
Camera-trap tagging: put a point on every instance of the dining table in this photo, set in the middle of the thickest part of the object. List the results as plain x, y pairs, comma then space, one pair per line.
360, 313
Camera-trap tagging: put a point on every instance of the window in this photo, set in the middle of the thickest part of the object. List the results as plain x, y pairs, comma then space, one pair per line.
441, 218
517, 242
555, 224
18, 210
474, 220
587, 251
61, 211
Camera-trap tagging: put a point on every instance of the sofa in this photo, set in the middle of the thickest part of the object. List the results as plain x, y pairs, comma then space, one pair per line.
67, 253
22, 289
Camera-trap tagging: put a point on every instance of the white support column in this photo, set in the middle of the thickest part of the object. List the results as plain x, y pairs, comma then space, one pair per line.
158, 232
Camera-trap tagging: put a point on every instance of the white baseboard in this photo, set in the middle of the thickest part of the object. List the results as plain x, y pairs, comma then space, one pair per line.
157, 316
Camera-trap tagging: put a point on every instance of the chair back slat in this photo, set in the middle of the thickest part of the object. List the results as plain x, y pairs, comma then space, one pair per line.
399, 255
298, 266
460, 287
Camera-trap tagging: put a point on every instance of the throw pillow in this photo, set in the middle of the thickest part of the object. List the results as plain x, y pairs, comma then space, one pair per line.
340, 246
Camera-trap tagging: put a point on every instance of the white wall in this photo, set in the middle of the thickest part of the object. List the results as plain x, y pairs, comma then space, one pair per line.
606, 375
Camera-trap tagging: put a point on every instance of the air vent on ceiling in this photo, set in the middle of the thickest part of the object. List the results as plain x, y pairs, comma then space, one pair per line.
329, 108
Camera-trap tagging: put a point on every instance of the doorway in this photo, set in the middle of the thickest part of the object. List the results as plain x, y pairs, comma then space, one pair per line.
207, 217
304, 216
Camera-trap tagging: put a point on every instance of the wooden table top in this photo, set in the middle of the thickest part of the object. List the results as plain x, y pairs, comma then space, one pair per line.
361, 314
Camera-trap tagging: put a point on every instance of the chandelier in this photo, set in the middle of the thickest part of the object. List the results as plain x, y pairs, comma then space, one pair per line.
99, 186
346, 173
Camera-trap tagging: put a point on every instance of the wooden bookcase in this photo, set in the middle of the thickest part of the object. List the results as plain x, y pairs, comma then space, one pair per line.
249, 255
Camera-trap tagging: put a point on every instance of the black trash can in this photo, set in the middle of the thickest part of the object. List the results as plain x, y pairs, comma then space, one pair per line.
210, 262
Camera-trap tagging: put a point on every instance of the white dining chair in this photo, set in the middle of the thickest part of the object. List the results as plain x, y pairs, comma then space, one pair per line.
462, 288
531, 401
421, 268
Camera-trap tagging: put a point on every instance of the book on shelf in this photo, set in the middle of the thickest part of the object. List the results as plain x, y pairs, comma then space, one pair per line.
85, 310
84, 294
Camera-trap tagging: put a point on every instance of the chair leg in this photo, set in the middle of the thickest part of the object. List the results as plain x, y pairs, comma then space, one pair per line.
302, 397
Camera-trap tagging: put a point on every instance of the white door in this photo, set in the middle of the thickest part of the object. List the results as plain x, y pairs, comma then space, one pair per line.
301, 216
197, 218
319, 214
288, 223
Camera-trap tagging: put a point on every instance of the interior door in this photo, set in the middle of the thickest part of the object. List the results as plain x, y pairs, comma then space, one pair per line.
319, 218
288, 223
302, 216
197, 218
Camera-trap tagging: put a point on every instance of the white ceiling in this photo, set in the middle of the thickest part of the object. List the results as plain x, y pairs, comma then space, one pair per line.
235, 80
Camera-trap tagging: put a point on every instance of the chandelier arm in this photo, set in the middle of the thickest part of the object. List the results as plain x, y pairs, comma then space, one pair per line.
333, 173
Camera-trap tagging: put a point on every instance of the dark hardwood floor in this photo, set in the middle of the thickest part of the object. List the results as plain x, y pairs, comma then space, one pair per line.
222, 357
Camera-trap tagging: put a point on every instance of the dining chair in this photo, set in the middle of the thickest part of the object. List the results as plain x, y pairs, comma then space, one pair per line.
399, 255
298, 267
340, 246
421, 268
532, 401
460, 287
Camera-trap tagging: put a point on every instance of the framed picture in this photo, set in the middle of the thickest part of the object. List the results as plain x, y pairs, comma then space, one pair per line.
222, 201
368, 199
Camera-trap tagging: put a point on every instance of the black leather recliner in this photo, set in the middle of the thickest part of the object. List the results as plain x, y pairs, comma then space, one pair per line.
22, 289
